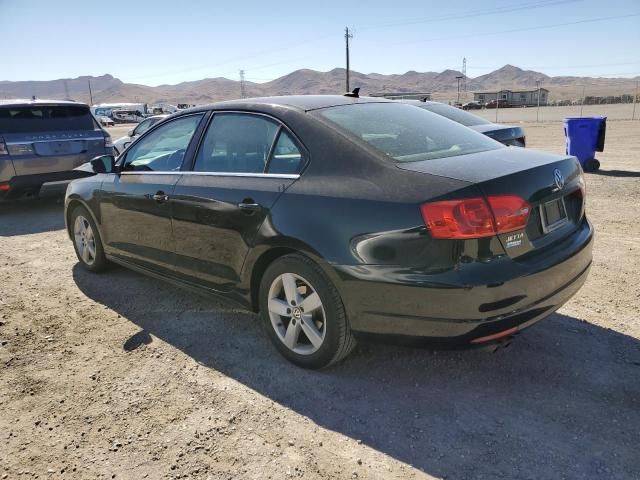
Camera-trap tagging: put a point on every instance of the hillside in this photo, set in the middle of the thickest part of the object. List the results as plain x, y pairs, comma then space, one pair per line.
443, 85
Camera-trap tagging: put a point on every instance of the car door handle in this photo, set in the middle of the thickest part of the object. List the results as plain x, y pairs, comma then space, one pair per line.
249, 206
160, 197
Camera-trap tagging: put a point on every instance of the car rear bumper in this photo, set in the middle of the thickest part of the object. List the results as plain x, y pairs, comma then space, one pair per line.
471, 302
26, 185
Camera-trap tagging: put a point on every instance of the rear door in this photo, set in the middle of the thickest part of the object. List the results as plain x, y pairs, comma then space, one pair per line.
245, 162
135, 205
44, 139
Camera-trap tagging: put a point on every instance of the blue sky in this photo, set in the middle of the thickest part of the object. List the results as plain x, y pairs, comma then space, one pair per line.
156, 42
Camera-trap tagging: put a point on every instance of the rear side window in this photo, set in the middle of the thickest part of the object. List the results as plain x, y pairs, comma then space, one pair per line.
37, 119
236, 143
286, 157
406, 133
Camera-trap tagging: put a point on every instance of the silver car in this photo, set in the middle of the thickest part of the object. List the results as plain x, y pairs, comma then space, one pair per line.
42, 141
121, 144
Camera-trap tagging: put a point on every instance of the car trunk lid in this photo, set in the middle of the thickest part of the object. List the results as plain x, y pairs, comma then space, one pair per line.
552, 185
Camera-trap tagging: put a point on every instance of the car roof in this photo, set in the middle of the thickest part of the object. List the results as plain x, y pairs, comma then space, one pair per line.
301, 102
26, 102
420, 102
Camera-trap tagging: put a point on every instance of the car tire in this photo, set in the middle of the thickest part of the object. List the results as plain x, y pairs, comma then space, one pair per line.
86, 240
315, 338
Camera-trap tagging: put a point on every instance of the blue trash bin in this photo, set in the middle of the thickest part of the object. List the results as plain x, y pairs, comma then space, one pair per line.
584, 137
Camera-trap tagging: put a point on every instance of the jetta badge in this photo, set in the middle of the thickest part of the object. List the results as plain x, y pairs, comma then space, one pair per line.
558, 178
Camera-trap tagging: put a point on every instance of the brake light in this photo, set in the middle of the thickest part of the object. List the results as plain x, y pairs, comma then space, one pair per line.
4, 187
475, 217
108, 143
3, 148
510, 212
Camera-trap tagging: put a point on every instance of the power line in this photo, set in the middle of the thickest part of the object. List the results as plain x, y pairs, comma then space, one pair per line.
287, 46
473, 13
563, 66
526, 29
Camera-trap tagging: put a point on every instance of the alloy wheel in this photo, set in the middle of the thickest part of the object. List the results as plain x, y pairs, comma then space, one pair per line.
85, 240
297, 314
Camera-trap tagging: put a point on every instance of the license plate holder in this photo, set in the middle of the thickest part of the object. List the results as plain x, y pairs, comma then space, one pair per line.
553, 215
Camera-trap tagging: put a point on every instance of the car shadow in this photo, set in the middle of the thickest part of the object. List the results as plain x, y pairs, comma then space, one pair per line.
617, 173
563, 401
34, 215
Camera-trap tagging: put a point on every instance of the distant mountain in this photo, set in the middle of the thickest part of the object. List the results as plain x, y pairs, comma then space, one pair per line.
443, 85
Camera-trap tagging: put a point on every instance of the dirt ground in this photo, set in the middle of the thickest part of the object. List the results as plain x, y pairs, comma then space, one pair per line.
121, 376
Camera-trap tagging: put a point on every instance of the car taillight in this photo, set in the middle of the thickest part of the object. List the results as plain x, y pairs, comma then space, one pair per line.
5, 187
108, 143
475, 217
510, 212
3, 148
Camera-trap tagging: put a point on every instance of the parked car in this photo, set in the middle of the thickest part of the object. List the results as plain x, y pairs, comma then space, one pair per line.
42, 141
336, 216
506, 134
472, 106
123, 142
127, 116
500, 104
105, 121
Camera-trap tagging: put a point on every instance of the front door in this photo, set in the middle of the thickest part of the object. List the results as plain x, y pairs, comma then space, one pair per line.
244, 164
135, 205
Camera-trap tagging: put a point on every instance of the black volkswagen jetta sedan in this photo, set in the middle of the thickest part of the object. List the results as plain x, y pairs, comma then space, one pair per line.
333, 216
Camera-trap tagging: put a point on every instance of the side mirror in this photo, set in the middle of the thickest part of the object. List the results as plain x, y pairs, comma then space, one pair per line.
103, 164
131, 133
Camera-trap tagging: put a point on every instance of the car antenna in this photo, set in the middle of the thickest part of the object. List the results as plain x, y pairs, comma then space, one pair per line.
355, 93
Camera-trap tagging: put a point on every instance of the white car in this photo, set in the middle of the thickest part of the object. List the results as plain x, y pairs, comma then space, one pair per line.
121, 144
106, 121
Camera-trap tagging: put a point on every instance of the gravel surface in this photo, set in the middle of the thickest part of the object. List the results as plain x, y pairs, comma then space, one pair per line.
122, 376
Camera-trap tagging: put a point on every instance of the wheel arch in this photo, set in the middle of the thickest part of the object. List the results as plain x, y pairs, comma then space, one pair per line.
255, 268
71, 204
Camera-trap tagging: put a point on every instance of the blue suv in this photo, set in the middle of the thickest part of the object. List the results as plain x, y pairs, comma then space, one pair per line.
42, 141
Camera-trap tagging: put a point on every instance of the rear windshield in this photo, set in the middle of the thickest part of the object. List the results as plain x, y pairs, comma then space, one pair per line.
37, 119
406, 133
455, 114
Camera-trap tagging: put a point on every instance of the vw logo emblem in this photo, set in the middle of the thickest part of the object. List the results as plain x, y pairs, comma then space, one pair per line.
558, 179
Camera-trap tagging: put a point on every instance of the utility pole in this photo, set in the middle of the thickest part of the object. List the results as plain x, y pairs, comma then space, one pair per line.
582, 102
459, 77
347, 37
497, 104
90, 94
464, 75
538, 111
635, 99
243, 90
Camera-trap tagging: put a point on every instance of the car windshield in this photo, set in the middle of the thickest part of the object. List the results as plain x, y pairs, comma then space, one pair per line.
406, 133
455, 114
41, 118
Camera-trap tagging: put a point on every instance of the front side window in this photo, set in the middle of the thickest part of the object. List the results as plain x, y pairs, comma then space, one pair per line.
405, 133
163, 149
236, 142
143, 127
